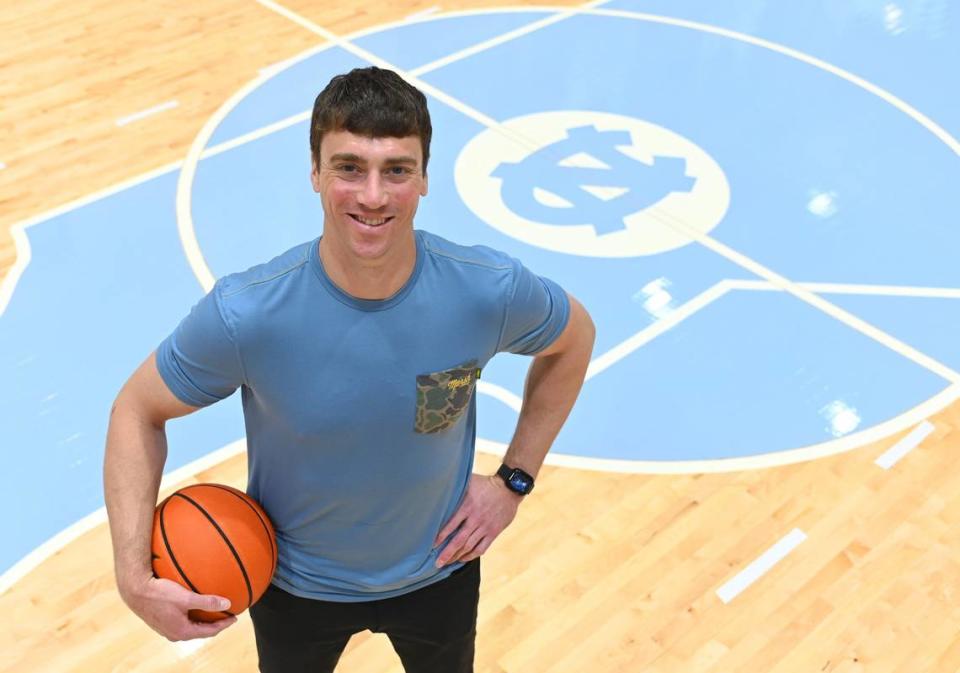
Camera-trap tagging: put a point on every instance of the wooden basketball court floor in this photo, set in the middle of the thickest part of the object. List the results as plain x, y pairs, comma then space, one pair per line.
601, 571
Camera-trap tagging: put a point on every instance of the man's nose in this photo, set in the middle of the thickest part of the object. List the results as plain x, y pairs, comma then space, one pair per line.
372, 193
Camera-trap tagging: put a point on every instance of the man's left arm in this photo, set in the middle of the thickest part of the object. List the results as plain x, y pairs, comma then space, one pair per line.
553, 383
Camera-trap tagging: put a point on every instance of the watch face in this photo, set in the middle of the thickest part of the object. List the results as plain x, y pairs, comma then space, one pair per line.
519, 482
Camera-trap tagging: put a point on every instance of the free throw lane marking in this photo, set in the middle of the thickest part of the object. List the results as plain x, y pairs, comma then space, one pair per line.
905, 445
758, 568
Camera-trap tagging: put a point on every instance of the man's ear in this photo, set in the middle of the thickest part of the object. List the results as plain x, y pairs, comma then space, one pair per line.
314, 175
423, 190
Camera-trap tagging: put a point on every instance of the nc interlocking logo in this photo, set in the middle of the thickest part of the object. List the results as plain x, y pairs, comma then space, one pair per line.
591, 183
589, 180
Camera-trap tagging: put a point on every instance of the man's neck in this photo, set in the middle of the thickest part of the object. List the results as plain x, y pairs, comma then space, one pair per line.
368, 279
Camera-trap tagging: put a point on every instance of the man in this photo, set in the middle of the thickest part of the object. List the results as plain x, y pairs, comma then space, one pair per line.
358, 356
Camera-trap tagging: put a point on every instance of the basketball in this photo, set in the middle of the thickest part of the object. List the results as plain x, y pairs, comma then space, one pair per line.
214, 539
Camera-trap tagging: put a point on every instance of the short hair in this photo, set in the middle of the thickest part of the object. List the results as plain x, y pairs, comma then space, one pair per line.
371, 102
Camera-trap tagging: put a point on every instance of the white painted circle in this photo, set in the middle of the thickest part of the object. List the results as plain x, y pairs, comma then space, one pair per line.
647, 231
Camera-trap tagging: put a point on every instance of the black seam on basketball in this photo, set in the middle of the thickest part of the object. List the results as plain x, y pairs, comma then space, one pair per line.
273, 548
233, 551
166, 543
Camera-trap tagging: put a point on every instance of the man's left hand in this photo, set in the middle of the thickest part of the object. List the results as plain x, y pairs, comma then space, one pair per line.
485, 512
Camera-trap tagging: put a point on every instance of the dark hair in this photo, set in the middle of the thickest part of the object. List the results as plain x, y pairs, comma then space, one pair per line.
371, 102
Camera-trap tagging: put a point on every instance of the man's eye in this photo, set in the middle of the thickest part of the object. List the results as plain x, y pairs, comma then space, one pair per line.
347, 168
399, 170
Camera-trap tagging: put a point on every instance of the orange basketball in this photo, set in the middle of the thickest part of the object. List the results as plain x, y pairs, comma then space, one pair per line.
214, 539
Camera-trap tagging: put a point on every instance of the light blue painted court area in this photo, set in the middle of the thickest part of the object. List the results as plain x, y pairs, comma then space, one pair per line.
757, 202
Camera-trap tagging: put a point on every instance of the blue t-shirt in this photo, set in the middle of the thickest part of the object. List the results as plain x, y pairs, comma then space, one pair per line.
360, 414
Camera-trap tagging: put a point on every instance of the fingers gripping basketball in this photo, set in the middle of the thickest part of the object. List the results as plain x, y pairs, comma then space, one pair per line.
214, 539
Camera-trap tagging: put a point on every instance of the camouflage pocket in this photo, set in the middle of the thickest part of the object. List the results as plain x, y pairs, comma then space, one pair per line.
443, 396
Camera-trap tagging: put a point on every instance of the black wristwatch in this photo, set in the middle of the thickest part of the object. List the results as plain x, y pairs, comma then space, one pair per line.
516, 479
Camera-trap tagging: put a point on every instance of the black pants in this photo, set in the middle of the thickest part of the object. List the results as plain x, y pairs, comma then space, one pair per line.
432, 629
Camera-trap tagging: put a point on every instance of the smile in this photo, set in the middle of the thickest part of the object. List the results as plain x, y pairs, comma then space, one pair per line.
371, 222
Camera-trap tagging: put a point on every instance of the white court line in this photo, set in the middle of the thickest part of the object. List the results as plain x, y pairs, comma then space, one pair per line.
883, 94
185, 649
427, 67
649, 333
850, 288
22, 243
758, 568
423, 13
875, 433
508, 397
18, 230
710, 295
59, 541
592, 8
269, 71
905, 445
91, 521
493, 42
304, 115
274, 68
156, 109
292, 120
426, 87
814, 300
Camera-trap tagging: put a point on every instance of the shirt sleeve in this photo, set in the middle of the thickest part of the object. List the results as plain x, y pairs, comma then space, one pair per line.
536, 313
200, 360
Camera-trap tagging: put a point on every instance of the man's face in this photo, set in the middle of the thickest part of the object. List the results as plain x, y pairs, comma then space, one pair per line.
370, 188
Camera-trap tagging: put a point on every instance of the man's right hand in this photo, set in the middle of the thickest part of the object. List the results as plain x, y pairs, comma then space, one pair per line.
164, 606
132, 470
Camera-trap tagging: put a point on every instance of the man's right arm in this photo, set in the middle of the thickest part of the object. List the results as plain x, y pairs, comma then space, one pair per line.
133, 466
